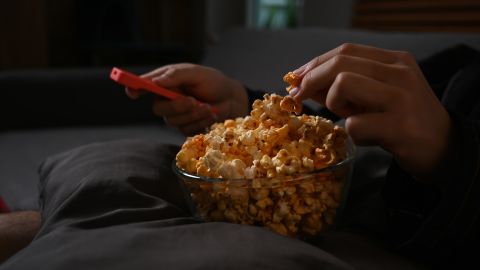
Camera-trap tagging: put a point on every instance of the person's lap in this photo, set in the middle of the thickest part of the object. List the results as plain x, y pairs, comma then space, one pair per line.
118, 205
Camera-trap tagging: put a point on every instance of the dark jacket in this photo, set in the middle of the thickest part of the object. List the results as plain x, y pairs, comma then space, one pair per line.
439, 222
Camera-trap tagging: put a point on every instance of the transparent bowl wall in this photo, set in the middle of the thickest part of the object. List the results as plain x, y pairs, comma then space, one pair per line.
301, 205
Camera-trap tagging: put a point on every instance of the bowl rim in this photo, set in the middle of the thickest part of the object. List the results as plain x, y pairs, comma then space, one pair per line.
351, 152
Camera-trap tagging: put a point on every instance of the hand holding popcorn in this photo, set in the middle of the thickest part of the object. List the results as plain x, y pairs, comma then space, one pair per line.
385, 100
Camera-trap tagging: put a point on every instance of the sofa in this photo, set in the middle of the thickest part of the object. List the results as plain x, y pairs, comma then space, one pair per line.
44, 112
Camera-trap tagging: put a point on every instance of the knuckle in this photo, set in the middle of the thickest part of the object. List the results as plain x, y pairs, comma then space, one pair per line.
187, 65
343, 78
338, 61
175, 69
352, 130
333, 97
307, 80
156, 71
171, 72
314, 62
338, 90
345, 49
405, 57
330, 102
408, 74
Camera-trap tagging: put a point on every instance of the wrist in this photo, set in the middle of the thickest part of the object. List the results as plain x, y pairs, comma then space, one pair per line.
429, 155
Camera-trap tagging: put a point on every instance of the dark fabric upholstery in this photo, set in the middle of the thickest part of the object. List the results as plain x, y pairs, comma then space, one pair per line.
118, 205
66, 97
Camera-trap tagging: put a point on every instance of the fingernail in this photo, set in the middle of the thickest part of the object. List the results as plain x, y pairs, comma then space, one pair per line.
293, 92
160, 78
157, 80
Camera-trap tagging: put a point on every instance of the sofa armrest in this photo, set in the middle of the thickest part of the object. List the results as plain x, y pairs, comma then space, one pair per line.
67, 97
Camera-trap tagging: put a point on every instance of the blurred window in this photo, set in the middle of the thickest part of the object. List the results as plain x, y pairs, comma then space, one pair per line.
274, 14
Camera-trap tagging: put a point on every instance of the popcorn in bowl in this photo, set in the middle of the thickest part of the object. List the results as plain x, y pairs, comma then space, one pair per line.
273, 168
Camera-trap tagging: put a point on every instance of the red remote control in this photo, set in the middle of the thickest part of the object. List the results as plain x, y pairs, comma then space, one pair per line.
134, 82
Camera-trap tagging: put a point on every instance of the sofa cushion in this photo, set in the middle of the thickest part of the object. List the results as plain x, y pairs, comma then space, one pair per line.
123, 196
23, 150
118, 205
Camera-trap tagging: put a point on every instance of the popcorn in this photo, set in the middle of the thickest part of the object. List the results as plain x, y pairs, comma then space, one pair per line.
260, 157
292, 79
271, 139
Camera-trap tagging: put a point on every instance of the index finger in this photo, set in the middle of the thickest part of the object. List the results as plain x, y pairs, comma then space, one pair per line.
349, 49
162, 107
317, 82
155, 73
183, 74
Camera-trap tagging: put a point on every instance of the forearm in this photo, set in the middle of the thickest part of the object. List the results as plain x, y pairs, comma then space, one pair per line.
17, 230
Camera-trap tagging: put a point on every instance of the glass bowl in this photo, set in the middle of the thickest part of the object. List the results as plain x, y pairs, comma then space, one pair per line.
302, 205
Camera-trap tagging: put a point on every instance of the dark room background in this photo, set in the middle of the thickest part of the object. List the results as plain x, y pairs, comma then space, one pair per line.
86, 33
83, 33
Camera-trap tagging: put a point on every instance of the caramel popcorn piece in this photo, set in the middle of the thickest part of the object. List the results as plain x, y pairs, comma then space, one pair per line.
292, 79
289, 105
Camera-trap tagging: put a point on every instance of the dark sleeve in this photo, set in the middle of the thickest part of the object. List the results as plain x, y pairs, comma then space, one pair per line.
439, 222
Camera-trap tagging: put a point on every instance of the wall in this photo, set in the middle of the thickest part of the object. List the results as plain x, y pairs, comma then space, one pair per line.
23, 40
328, 13
73, 33
59, 33
222, 15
